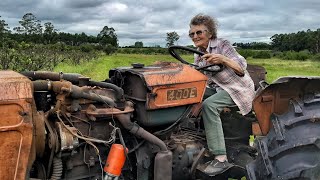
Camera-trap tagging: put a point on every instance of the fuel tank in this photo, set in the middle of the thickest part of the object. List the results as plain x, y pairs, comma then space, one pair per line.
161, 92
16, 127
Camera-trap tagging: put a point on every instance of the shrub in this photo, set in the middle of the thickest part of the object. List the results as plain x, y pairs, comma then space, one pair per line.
262, 54
316, 57
86, 48
303, 55
292, 55
109, 49
246, 53
29, 56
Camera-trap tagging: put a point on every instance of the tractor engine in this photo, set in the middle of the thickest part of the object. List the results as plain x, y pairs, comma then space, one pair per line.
81, 131
57, 126
62, 126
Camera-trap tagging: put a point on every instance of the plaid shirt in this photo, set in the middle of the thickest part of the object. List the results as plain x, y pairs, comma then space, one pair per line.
240, 88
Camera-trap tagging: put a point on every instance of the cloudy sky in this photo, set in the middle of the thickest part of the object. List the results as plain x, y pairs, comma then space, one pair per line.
149, 20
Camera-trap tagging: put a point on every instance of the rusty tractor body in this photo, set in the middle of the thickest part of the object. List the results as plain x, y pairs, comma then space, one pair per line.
16, 125
148, 120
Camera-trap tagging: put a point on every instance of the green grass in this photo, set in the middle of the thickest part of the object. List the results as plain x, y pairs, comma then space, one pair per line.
277, 68
98, 69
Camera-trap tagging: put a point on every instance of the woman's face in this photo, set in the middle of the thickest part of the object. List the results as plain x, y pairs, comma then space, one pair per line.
200, 36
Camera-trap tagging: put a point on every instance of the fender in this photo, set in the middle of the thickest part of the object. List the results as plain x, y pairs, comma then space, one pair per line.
274, 98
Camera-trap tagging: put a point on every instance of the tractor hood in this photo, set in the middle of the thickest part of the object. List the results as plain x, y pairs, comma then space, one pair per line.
275, 97
162, 93
161, 85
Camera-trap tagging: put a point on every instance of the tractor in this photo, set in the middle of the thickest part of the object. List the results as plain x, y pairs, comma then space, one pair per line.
144, 122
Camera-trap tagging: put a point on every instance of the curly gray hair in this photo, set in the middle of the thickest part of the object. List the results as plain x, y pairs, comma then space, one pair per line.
208, 21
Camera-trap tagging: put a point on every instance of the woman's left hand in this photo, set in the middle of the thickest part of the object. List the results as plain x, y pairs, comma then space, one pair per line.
214, 58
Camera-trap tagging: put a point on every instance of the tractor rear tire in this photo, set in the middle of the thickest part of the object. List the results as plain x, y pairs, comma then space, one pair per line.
291, 150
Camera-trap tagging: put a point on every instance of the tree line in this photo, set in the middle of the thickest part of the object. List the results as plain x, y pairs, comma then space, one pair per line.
31, 30
301, 41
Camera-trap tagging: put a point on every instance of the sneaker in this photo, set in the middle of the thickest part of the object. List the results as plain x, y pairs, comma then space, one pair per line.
216, 167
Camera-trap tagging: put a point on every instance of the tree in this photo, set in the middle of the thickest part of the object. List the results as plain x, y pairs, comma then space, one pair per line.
4, 31
172, 37
108, 36
49, 32
138, 44
317, 41
4, 28
29, 25
49, 28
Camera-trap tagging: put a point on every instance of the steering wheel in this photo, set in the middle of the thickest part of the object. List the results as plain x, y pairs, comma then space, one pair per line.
211, 67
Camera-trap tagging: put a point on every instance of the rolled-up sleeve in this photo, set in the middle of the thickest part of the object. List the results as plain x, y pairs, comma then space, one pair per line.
229, 51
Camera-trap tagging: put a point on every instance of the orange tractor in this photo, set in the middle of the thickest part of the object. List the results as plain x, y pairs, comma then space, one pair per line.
144, 123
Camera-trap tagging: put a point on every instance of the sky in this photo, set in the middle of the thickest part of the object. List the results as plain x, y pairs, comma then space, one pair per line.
150, 20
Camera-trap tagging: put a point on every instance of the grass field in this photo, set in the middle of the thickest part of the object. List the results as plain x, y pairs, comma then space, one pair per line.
98, 69
277, 67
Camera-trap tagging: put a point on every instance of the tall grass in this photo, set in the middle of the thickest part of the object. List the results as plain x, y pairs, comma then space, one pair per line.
277, 68
98, 69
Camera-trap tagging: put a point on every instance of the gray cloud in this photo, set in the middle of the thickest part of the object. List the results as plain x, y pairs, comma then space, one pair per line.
82, 4
149, 21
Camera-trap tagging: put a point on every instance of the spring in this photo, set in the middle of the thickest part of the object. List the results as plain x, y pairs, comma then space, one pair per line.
57, 169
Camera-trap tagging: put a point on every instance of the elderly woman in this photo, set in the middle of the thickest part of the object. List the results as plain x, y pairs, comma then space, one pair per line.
233, 84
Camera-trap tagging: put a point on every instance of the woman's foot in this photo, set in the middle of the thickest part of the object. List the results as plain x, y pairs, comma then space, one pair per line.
221, 158
216, 167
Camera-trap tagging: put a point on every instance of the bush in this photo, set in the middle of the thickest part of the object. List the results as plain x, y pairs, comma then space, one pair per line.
246, 53
9, 43
109, 49
32, 57
316, 57
98, 47
262, 54
292, 55
86, 48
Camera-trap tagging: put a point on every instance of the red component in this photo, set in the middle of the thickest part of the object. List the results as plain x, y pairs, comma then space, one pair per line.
115, 160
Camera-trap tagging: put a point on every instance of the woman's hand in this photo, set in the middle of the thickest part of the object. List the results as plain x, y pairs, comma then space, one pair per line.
214, 58
221, 59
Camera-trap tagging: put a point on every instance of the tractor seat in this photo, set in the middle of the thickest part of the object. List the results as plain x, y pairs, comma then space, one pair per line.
257, 73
